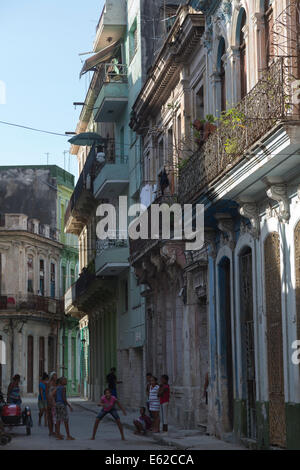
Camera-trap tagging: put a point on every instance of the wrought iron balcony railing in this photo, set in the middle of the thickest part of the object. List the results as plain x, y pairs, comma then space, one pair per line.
113, 73
268, 103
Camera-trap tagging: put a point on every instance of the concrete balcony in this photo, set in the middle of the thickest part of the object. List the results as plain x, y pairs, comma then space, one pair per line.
113, 179
112, 24
82, 200
113, 95
112, 257
86, 293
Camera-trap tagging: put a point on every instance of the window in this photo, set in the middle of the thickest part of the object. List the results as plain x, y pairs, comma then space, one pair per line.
42, 277
133, 41
72, 276
161, 157
243, 63
30, 274
199, 104
221, 70
269, 23
63, 280
52, 280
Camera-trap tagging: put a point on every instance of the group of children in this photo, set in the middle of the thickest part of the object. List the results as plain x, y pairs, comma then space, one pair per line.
53, 404
158, 397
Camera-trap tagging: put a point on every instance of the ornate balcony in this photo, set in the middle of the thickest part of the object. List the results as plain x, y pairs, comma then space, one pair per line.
30, 303
240, 130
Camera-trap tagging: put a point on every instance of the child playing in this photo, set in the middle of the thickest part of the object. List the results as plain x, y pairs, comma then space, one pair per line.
61, 409
108, 402
143, 423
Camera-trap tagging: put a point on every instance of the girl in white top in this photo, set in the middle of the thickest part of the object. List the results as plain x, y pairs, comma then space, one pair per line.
154, 403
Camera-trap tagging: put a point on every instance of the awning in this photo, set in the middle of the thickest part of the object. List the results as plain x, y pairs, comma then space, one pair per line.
103, 56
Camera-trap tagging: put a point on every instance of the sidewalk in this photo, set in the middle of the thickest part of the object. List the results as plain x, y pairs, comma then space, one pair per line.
181, 439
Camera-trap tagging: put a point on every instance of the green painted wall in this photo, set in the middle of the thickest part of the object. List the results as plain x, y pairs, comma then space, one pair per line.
292, 411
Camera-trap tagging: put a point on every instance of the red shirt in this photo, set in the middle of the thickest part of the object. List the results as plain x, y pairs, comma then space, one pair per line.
165, 398
108, 404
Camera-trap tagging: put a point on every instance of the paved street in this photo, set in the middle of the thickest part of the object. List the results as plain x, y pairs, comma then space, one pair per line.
81, 424
108, 437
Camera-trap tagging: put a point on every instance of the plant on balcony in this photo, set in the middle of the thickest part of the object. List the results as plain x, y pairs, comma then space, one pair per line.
231, 121
203, 128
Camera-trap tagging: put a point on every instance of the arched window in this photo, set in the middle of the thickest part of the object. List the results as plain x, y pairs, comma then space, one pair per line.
242, 47
221, 70
269, 23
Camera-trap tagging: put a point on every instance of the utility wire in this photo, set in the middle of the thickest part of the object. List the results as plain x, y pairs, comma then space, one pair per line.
31, 128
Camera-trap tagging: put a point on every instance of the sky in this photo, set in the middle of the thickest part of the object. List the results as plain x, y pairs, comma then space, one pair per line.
40, 43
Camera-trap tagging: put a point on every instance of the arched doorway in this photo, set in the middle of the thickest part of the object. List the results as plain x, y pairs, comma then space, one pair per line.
247, 340
226, 343
277, 423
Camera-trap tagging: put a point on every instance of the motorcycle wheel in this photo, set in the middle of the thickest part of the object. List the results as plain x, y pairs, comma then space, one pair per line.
4, 440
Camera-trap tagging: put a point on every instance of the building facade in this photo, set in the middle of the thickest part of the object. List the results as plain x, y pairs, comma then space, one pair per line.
240, 161
112, 299
34, 324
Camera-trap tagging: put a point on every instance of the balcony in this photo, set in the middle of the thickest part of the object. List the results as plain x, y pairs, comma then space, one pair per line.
88, 292
82, 200
113, 95
112, 23
267, 105
113, 178
112, 257
28, 303
22, 222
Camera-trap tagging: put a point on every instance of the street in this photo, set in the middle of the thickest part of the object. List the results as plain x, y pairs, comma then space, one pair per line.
81, 424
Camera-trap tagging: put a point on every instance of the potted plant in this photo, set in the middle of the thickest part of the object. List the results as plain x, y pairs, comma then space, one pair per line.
204, 128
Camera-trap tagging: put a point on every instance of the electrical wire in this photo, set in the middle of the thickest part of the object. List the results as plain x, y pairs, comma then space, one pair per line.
31, 128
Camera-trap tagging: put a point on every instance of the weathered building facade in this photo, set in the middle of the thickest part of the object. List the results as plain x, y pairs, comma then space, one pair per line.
241, 162
34, 324
177, 336
111, 297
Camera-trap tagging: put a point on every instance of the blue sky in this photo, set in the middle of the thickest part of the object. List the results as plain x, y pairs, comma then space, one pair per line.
39, 63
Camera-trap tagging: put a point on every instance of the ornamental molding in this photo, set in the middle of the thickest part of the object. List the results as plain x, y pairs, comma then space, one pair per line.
249, 210
210, 239
278, 192
225, 224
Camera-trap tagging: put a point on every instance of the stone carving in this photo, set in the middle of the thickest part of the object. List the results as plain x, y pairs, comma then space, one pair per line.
249, 210
210, 240
278, 192
156, 261
226, 226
